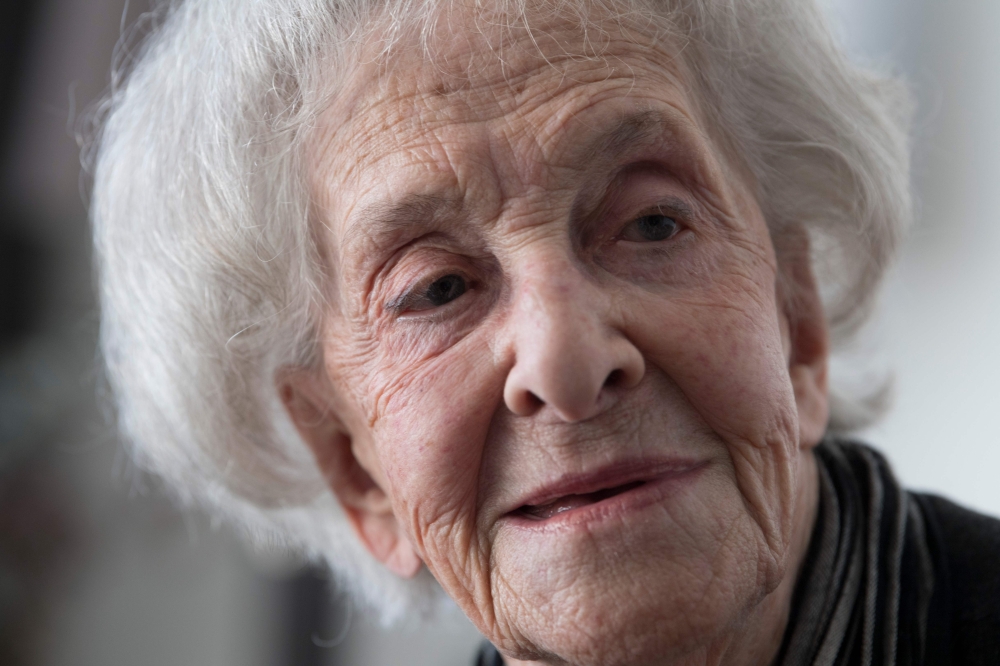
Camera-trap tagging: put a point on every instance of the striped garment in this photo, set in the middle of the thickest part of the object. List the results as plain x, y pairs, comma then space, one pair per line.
868, 547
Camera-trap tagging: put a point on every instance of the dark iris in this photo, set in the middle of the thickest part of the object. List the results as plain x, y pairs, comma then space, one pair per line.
446, 289
655, 227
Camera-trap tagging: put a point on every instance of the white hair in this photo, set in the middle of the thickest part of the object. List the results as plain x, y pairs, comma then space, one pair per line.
210, 279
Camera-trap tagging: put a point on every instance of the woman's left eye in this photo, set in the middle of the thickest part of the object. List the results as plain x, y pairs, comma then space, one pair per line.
650, 228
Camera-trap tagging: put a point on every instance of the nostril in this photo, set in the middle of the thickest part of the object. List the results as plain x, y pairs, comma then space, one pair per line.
523, 402
616, 378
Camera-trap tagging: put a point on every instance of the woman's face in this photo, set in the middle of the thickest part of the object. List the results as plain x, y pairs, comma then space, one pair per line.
558, 371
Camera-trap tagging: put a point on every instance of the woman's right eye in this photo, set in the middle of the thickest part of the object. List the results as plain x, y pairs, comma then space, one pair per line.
445, 289
436, 294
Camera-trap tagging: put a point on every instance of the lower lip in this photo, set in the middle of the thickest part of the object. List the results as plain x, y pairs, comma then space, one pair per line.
652, 492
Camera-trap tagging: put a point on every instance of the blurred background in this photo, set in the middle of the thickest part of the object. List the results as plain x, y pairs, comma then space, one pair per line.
97, 568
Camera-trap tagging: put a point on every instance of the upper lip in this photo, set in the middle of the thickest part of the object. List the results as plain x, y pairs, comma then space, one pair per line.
604, 478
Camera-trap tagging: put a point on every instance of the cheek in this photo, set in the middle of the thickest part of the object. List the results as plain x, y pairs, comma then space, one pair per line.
707, 316
432, 419
723, 348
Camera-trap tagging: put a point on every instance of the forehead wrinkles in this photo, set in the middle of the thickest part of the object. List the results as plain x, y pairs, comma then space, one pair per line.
487, 53
412, 120
416, 110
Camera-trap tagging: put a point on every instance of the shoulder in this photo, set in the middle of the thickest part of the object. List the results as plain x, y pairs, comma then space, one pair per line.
968, 564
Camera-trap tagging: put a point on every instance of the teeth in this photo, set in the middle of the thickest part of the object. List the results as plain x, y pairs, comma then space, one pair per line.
569, 502
543, 511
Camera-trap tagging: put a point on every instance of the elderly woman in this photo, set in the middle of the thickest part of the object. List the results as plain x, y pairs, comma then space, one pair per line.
531, 303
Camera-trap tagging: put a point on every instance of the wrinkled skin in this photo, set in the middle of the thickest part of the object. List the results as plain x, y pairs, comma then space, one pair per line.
507, 320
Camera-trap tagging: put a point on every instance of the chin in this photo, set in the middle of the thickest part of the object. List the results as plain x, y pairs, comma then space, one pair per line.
649, 575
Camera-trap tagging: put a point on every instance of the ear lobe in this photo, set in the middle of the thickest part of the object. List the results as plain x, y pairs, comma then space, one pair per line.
813, 404
382, 537
309, 402
808, 344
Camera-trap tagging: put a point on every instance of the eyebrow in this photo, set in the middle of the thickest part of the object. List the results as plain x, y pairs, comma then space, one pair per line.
637, 127
380, 222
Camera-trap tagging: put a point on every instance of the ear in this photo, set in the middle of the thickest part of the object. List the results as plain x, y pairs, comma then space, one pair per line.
808, 341
310, 403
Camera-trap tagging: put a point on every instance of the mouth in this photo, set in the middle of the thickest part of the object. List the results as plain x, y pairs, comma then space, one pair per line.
576, 495
570, 502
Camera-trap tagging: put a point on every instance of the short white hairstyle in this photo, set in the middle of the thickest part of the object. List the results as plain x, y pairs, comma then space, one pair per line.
210, 280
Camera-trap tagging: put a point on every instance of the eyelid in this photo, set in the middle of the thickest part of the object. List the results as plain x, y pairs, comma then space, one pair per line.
672, 207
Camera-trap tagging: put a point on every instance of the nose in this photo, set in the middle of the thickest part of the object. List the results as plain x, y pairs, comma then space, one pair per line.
568, 355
